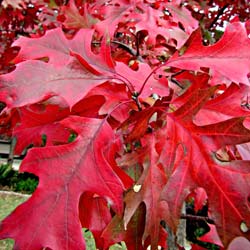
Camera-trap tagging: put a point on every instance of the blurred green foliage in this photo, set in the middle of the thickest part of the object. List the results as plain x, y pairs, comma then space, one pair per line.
14, 181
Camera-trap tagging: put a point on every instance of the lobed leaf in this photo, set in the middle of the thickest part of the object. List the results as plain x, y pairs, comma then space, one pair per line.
50, 217
229, 58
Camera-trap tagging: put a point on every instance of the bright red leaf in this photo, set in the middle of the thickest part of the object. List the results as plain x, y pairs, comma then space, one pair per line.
40, 120
126, 123
194, 164
228, 59
94, 215
51, 214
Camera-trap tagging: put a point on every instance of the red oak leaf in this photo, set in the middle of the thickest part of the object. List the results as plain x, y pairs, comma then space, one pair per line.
152, 21
147, 139
23, 87
236, 97
180, 14
41, 119
116, 232
189, 157
94, 215
50, 217
148, 190
228, 58
73, 18
59, 50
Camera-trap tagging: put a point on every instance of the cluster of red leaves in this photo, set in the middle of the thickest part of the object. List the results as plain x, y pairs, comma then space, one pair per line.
22, 18
160, 121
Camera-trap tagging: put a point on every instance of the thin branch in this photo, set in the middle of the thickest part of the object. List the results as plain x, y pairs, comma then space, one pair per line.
135, 96
178, 73
130, 50
220, 13
197, 217
176, 82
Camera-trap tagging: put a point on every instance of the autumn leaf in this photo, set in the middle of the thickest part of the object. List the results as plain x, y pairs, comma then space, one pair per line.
193, 164
180, 14
50, 217
23, 87
41, 120
147, 190
129, 116
95, 215
73, 18
228, 58
56, 47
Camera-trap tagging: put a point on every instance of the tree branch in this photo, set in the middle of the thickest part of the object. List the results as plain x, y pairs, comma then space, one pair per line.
197, 217
220, 12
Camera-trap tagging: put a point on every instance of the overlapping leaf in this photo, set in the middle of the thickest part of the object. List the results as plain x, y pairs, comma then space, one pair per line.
71, 72
40, 120
147, 190
170, 141
195, 165
50, 217
228, 59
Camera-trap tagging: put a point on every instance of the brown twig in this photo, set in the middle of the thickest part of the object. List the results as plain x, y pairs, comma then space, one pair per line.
220, 12
197, 217
122, 45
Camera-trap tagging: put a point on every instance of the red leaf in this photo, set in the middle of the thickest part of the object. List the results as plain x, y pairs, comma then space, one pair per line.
59, 50
148, 189
222, 57
50, 217
182, 15
116, 232
94, 215
38, 120
146, 139
193, 164
215, 110
23, 87
211, 236
73, 19
152, 21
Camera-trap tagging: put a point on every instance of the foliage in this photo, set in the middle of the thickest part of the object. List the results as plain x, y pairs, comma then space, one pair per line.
136, 125
20, 182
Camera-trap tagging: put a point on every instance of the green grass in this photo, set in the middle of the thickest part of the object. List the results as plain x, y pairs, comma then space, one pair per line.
8, 202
